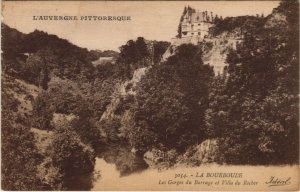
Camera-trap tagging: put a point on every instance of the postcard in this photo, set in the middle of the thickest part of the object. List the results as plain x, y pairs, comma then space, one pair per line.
150, 95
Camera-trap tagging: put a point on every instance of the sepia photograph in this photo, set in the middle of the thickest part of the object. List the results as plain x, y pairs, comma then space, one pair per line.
150, 95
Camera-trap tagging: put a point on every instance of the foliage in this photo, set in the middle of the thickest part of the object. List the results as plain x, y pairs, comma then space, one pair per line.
134, 51
111, 128
254, 112
126, 162
85, 127
107, 53
160, 48
35, 56
140, 53
71, 97
72, 158
244, 23
8, 101
20, 156
42, 112
179, 88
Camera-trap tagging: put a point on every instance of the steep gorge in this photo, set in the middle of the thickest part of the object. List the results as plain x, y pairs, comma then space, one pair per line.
66, 91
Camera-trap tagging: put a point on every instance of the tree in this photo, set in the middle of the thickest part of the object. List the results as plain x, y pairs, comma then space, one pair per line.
85, 127
160, 48
254, 113
42, 112
74, 160
20, 156
133, 55
179, 88
142, 48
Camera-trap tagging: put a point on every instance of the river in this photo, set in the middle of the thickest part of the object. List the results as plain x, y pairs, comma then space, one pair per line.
108, 172
116, 163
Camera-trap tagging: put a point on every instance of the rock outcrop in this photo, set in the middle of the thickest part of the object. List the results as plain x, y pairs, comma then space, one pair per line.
196, 155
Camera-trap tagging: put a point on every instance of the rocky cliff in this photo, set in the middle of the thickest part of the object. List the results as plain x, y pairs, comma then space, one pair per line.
223, 36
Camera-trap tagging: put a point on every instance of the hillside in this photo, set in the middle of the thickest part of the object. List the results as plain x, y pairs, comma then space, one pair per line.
51, 89
37, 56
245, 37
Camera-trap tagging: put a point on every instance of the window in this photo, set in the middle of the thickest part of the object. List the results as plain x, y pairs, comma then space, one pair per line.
198, 24
192, 33
199, 33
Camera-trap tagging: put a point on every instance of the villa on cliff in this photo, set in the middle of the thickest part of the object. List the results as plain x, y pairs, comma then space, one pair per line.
194, 26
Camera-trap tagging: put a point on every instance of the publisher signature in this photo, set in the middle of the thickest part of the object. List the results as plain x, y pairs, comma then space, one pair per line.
274, 181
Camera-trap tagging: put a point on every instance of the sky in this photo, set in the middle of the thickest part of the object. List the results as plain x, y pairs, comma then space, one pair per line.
153, 20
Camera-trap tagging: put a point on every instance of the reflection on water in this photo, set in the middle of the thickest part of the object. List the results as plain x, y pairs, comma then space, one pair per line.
116, 162
79, 182
109, 175
126, 162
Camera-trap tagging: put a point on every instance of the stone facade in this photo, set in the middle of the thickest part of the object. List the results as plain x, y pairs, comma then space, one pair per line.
196, 24
185, 40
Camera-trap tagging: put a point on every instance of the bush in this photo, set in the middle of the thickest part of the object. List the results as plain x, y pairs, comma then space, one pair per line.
19, 156
74, 160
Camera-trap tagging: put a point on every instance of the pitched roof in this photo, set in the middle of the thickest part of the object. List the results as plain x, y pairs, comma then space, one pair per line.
196, 17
